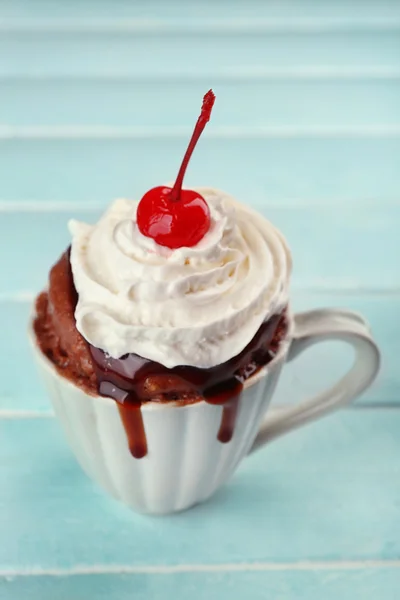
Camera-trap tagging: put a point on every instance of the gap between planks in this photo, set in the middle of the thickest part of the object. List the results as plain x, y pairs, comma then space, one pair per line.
349, 565
203, 26
82, 132
227, 74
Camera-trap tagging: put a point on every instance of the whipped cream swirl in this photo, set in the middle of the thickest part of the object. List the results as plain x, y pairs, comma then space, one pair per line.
195, 306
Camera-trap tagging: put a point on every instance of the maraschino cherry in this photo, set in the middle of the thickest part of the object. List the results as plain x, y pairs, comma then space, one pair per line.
171, 216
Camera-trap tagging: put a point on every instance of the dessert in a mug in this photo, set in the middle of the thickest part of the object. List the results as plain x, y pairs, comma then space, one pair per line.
161, 337
176, 299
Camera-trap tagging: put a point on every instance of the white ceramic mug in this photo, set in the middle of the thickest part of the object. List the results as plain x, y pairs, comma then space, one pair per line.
186, 463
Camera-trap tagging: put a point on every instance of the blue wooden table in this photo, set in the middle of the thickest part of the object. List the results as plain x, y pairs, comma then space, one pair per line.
97, 100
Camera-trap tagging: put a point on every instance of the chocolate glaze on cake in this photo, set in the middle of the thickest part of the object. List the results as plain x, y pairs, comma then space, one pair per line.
132, 380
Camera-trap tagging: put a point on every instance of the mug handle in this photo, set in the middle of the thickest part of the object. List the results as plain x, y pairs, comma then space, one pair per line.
319, 326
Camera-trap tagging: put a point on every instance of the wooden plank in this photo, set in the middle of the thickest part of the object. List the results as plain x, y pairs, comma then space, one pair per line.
76, 9
134, 101
78, 53
365, 583
97, 165
327, 492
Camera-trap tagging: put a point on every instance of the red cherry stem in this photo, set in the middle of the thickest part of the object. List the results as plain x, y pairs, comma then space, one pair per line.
208, 103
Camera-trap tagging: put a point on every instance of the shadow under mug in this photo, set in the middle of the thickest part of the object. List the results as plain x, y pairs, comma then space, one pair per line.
186, 463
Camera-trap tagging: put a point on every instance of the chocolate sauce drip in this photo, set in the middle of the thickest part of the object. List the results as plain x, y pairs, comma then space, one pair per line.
132, 380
